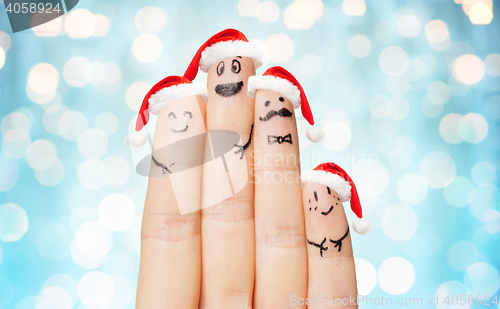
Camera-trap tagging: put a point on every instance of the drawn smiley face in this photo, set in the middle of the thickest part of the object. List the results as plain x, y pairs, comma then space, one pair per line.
271, 112
321, 200
230, 75
173, 116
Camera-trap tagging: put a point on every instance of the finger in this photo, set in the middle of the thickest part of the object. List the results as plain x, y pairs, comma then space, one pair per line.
228, 226
281, 254
170, 267
330, 259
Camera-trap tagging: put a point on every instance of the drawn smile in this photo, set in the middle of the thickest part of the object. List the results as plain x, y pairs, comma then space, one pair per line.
328, 212
229, 89
179, 131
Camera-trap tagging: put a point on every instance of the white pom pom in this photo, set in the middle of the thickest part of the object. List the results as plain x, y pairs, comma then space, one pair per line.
315, 134
135, 139
362, 226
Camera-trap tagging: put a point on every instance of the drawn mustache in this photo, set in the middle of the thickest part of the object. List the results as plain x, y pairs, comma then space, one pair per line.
229, 89
282, 113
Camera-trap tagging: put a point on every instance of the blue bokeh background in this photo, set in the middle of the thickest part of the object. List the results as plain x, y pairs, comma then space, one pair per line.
408, 93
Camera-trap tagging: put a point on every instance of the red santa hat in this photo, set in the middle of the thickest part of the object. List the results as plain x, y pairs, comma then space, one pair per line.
280, 80
225, 44
331, 175
165, 91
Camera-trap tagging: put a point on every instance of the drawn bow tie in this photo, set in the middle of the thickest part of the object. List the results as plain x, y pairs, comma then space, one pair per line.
271, 139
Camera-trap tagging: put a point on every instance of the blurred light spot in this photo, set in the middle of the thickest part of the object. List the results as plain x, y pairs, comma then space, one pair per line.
151, 19
15, 143
493, 227
416, 70
42, 154
468, 4
430, 109
302, 13
107, 123
430, 63
279, 48
15, 120
457, 88
64, 281
43, 78
10, 173
51, 118
360, 46
96, 289
2, 57
492, 64
310, 65
415, 247
119, 263
487, 244
448, 128
13, 222
371, 179
5, 41
131, 237
38, 97
267, 12
93, 240
6, 292
411, 189
79, 196
123, 291
480, 14
147, 47
71, 125
336, 115
55, 298
118, 171
354, 7
385, 126
80, 23
50, 28
436, 31
483, 172
473, 128
385, 32
102, 25
52, 175
337, 136
248, 8
80, 216
397, 85
29, 302
92, 174
116, 212
396, 275
366, 276
438, 169
394, 61
482, 279
483, 199
78, 71
438, 92
409, 26
468, 69
92, 143
378, 105
402, 152
399, 222
458, 192
462, 254
451, 290
398, 108
135, 94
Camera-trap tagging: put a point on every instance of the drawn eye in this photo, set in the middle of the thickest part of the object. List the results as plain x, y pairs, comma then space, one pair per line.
236, 66
220, 68
188, 113
267, 103
171, 114
282, 100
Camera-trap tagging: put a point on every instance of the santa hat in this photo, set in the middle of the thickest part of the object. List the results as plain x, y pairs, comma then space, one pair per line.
280, 80
331, 175
225, 44
167, 90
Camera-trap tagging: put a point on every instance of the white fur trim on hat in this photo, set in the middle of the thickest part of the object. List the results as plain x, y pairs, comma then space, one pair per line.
226, 49
135, 139
362, 226
277, 84
166, 95
335, 182
315, 134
